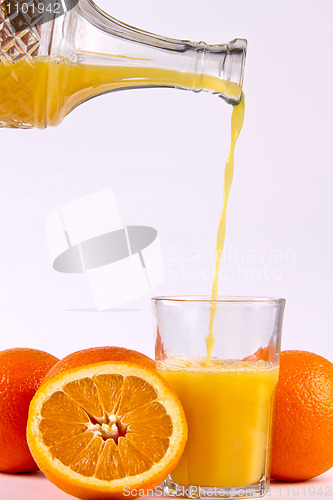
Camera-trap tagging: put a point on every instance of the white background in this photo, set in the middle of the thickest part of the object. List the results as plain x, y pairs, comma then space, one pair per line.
163, 152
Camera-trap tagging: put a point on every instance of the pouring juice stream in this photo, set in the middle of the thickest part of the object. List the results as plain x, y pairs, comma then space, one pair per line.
237, 119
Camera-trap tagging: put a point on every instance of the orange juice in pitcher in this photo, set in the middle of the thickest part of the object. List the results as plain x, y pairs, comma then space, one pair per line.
56, 62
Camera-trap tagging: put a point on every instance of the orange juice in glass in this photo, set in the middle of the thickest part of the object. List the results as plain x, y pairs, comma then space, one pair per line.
228, 400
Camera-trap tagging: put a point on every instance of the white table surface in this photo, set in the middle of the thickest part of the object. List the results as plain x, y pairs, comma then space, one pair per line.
36, 487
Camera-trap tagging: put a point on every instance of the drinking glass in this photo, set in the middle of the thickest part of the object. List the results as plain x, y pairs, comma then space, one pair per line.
228, 398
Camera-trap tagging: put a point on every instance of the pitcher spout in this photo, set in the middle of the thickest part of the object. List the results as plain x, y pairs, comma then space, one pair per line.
91, 36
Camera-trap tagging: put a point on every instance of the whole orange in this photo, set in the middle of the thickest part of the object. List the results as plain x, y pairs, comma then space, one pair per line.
21, 371
303, 418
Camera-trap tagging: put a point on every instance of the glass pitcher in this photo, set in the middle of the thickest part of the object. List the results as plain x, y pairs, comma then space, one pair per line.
50, 66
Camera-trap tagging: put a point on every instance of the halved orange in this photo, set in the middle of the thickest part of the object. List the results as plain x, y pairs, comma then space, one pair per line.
107, 429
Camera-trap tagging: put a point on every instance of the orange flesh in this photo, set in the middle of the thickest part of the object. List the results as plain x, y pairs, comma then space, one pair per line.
109, 426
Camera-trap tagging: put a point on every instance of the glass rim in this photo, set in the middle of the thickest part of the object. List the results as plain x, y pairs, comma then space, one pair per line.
246, 300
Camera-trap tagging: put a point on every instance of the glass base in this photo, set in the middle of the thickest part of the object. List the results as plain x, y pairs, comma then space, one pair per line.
172, 489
